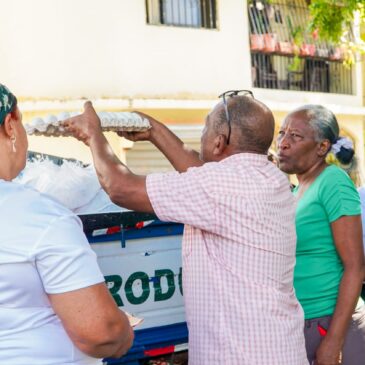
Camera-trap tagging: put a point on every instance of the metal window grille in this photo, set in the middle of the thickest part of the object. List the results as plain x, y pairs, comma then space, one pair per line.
183, 13
284, 55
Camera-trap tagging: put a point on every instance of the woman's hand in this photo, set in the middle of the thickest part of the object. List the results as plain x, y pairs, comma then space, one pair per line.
328, 353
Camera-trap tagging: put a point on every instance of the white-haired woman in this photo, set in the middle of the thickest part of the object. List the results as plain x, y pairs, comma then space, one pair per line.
54, 305
330, 258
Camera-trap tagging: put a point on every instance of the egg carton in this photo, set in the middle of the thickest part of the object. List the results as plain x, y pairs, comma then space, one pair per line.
51, 125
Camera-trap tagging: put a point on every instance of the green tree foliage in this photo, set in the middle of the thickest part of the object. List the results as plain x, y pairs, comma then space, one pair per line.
334, 18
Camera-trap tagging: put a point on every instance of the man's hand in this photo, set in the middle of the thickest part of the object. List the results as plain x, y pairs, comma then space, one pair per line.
141, 136
328, 353
180, 156
84, 126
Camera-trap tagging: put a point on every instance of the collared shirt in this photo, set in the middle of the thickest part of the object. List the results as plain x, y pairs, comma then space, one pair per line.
238, 260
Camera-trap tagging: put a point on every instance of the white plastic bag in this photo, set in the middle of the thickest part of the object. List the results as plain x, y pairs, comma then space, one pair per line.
70, 183
101, 203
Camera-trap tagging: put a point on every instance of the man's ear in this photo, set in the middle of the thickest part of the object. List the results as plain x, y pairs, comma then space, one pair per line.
220, 144
9, 128
324, 147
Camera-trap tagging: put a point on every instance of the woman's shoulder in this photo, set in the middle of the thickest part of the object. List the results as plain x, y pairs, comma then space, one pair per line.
334, 175
335, 170
336, 184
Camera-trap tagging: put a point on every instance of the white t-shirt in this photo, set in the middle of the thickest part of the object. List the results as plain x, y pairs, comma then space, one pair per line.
42, 250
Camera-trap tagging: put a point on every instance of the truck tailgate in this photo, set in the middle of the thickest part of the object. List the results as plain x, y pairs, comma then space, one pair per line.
141, 263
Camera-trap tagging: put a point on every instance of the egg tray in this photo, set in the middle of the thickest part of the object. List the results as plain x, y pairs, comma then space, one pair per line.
51, 125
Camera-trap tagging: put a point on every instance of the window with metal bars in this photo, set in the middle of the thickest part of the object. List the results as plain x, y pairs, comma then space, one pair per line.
182, 13
285, 55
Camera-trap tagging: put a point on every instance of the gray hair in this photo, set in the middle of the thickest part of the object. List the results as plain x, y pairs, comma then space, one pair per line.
323, 122
325, 126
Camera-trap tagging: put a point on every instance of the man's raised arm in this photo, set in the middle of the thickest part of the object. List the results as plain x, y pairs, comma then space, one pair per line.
123, 187
180, 155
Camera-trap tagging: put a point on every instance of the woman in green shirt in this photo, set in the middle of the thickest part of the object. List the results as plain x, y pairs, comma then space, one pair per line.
330, 260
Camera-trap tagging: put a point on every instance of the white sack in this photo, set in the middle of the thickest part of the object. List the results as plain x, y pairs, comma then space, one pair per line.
70, 183
101, 203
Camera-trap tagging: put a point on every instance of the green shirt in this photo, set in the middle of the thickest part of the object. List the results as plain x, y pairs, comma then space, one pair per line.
319, 268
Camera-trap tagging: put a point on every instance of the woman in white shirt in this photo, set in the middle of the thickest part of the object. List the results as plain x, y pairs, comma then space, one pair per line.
54, 305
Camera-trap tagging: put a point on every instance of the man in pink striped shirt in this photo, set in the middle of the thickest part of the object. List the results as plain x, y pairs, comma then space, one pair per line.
239, 239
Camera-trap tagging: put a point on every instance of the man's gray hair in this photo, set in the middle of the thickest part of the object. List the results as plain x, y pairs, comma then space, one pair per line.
323, 122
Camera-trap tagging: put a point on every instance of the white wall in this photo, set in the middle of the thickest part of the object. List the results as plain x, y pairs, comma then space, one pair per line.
104, 48
67, 49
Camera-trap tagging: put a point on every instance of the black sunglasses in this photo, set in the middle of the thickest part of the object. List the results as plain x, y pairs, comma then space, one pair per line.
228, 94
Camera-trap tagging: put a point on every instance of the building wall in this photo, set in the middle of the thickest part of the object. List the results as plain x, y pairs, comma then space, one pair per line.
72, 49
67, 49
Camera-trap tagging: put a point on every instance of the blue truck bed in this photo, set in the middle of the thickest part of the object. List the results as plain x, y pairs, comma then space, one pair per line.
140, 258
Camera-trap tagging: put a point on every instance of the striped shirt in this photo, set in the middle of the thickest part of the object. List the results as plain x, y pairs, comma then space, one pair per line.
238, 260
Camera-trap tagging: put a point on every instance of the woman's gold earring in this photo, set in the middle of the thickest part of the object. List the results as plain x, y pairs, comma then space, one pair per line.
13, 140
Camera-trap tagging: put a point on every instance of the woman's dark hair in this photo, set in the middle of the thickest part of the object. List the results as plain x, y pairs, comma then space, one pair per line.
345, 155
13, 108
12, 111
325, 126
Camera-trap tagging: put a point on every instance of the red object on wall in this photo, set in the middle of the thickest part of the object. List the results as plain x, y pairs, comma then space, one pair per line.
270, 42
285, 48
307, 49
257, 42
336, 54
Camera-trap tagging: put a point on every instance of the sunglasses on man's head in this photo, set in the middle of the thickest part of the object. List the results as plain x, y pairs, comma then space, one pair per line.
229, 94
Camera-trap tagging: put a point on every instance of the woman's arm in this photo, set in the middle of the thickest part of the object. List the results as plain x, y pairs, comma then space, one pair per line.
347, 234
93, 321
